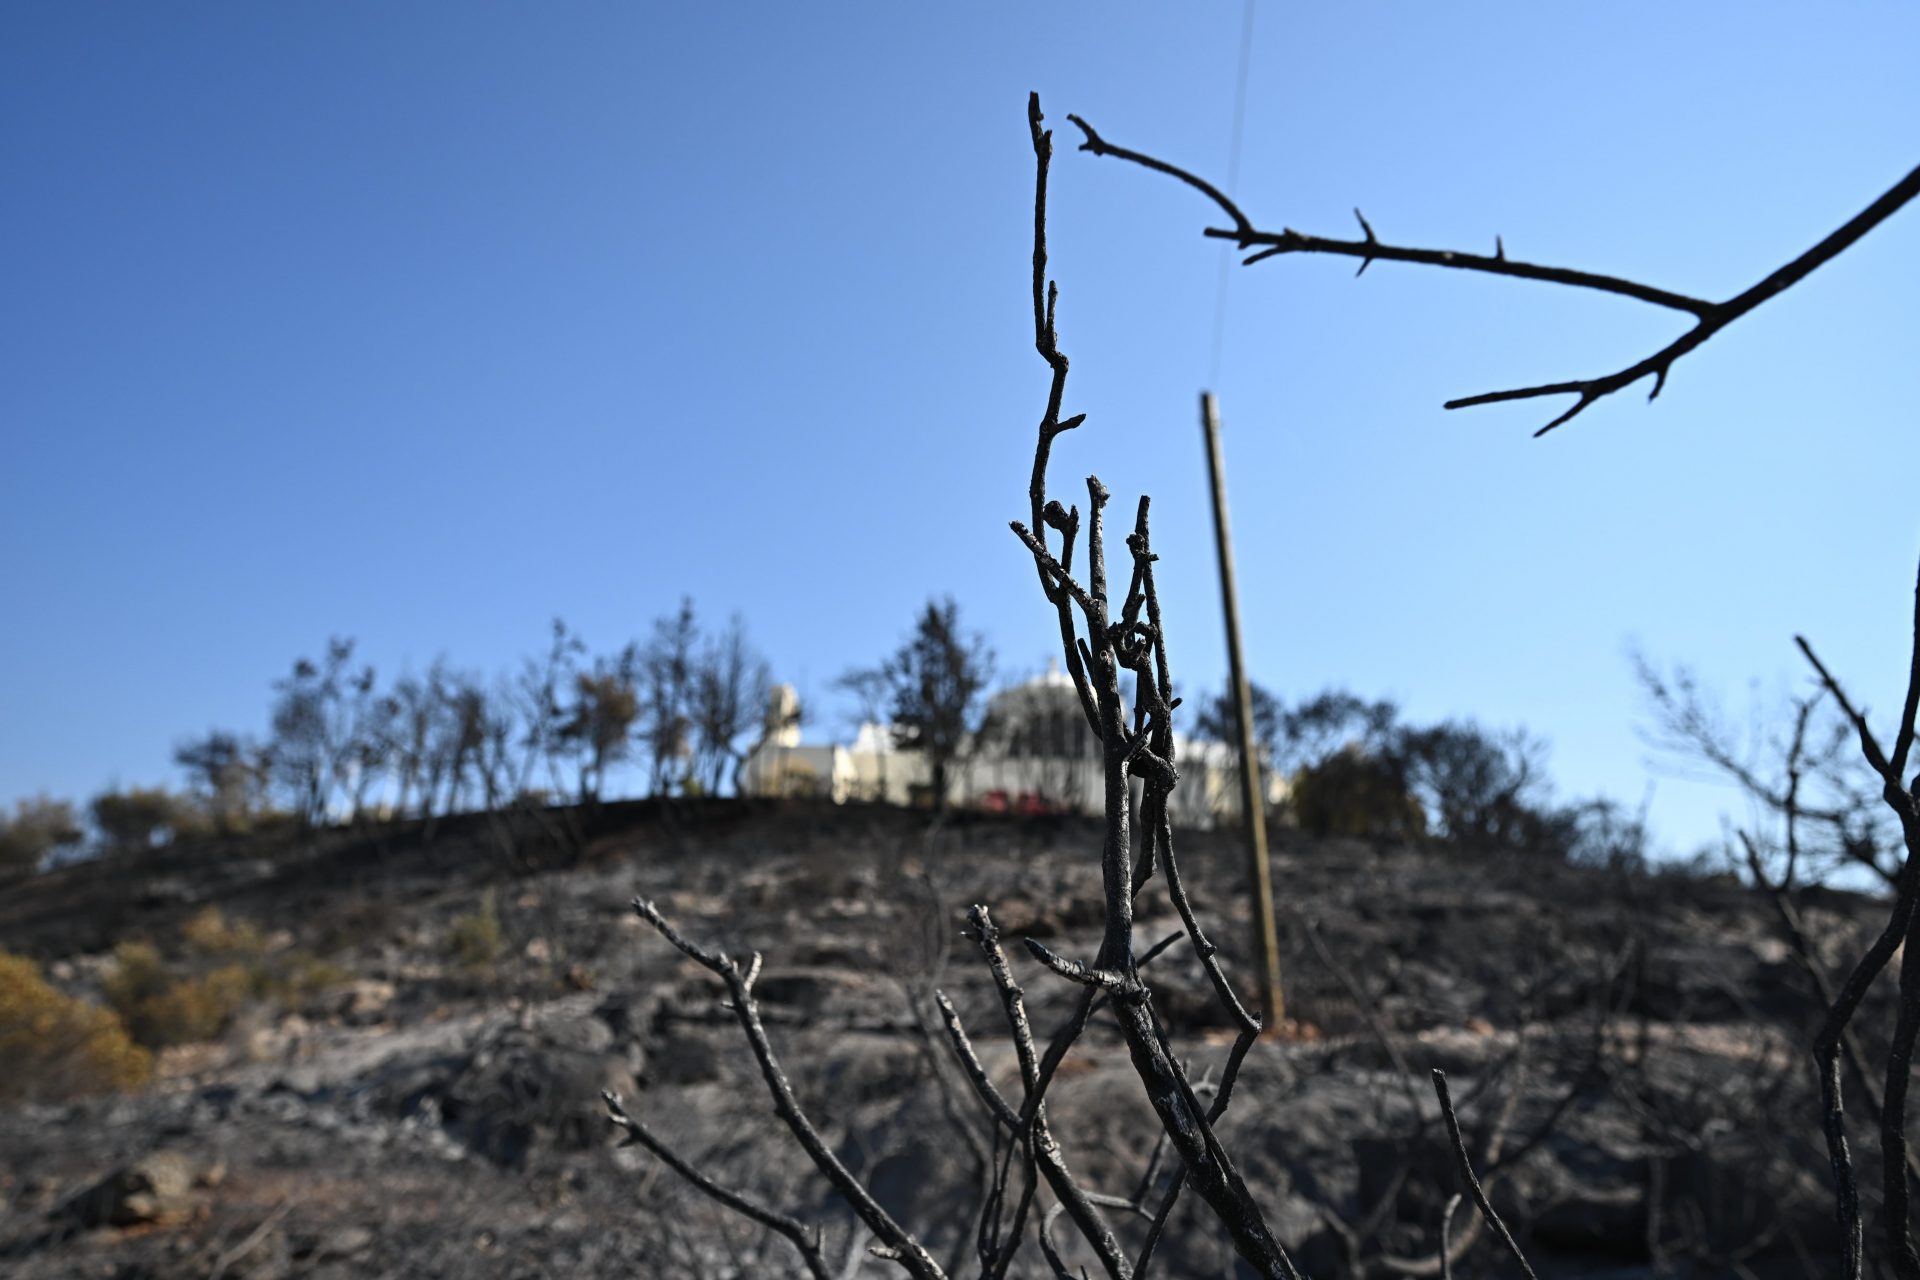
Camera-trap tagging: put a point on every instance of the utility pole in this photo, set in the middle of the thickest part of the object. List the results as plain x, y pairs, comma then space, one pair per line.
1273, 1001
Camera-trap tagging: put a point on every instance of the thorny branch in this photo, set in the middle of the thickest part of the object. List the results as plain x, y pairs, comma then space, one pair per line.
1098, 661
1709, 317
1137, 743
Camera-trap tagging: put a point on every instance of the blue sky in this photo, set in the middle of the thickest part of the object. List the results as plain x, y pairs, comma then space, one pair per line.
422, 324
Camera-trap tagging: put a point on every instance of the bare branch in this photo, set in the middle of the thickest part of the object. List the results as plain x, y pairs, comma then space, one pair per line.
1365, 1006
1035, 1134
1710, 317
1869, 745
995, 1101
1113, 983
1373, 249
1910, 708
1181, 1115
1044, 514
1464, 1164
805, 1239
1053, 569
909, 1252
1243, 229
1446, 1231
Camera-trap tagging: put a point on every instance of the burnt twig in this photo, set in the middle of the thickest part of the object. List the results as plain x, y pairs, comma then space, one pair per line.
805, 1239
902, 1246
1098, 661
1709, 317
1464, 1164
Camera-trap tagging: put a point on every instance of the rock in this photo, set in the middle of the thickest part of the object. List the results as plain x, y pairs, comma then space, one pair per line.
363, 1000
572, 1031
688, 1053
342, 1242
155, 1186
535, 1085
807, 990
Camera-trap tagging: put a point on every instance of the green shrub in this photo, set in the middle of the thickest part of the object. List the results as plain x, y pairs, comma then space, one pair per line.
54, 1047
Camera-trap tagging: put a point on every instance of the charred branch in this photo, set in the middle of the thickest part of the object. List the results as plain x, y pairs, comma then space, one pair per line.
1710, 317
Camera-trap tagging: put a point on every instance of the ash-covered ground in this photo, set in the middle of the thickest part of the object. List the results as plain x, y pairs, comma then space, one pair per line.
1629, 1052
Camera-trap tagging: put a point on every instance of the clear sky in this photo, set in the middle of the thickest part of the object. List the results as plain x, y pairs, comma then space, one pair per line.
425, 323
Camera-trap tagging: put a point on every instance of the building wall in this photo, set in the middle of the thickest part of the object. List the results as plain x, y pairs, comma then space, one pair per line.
1034, 752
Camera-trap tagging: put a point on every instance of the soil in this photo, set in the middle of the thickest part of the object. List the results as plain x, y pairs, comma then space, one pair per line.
1628, 1051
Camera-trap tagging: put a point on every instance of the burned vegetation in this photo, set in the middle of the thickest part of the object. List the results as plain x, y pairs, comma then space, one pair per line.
977, 1048
1118, 661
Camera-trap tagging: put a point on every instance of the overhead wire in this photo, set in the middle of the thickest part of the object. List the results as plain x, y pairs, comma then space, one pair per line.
1233, 183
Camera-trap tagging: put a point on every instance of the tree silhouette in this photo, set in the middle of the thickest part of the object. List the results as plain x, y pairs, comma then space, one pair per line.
934, 682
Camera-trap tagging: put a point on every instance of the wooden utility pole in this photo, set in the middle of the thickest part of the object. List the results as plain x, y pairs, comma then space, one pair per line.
1273, 1001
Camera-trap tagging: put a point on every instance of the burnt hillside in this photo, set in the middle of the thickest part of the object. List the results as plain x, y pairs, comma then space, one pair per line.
1628, 1051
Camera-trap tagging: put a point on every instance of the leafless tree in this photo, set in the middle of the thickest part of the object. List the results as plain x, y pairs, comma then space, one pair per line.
1334, 720
1213, 720
667, 702
500, 731
1482, 790
539, 692
1888, 761
466, 726
405, 722
729, 698
316, 716
1798, 768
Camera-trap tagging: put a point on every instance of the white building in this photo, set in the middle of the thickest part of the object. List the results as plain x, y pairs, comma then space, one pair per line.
1034, 753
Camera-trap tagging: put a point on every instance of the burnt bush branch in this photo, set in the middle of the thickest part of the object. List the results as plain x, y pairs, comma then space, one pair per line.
1464, 1164
1902, 930
1710, 317
806, 1239
901, 1245
1099, 660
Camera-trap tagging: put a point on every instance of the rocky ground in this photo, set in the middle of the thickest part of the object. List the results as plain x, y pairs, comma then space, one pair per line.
1628, 1051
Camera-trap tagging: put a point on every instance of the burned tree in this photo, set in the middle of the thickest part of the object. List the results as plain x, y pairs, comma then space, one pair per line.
1889, 763
1113, 638
1107, 611
1798, 768
730, 688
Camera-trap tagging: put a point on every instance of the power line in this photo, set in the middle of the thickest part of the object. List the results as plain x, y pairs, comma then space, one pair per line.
1233, 183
